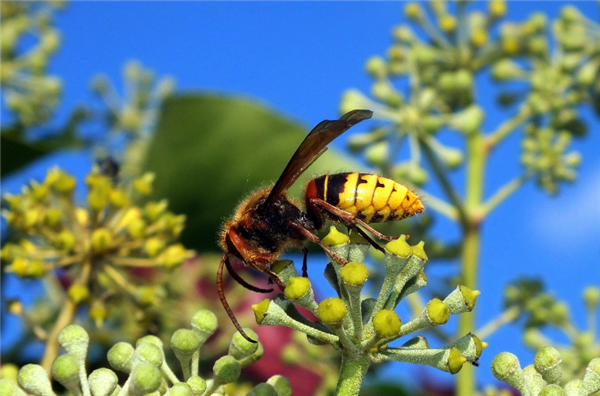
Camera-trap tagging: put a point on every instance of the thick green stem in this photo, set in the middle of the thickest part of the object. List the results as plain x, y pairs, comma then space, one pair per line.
352, 374
476, 158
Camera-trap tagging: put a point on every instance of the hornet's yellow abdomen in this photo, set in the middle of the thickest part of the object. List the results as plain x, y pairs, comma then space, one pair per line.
371, 198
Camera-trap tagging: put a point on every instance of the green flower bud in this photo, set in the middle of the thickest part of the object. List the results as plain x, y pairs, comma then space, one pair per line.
281, 384
227, 369
507, 69
297, 288
424, 54
463, 80
98, 198
197, 384
455, 361
332, 310
419, 251
591, 378
174, 255
64, 183
572, 385
402, 34
571, 14
35, 269
335, 238
65, 369
52, 217
353, 99
385, 91
260, 310
413, 11
263, 389
9, 371
240, 348
354, 273
38, 191
78, 293
437, 312
75, 341
120, 356
65, 241
552, 390
98, 312
118, 198
376, 67
497, 8
150, 353
587, 73
377, 153
204, 323
185, 343
145, 378
447, 23
399, 247
34, 380
103, 382
101, 240
506, 368
469, 120
181, 389
130, 119
153, 210
387, 323
143, 185
591, 297
461, 300
149, 339
548, 363
9, 387
153, 246
136, 228
510, 45
479, 37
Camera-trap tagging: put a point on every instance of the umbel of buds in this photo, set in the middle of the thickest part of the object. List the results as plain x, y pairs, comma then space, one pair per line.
544, 375
146, 368
363, 328
95, 245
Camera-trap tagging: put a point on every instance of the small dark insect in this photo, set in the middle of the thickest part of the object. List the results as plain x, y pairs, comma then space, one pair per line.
109, 167
268, 222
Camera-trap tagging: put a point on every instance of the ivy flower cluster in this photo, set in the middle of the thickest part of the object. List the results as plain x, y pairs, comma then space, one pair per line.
146, 367
542, 310
543, 377
93, 247
28, 90
363, 329
440, 66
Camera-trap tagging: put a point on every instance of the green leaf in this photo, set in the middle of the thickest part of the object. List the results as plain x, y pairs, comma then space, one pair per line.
16, 153
210, 152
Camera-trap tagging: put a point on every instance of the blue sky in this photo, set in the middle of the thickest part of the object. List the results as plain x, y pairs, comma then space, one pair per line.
298, 58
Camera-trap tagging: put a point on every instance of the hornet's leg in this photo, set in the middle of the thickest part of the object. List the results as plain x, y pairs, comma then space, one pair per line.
304, 262
242, 282
348, 218
313, 238
224, 300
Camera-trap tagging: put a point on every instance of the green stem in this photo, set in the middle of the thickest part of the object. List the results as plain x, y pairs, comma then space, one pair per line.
440, 173
476, 161
504, 192
494, 138
506, 317
352, 374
